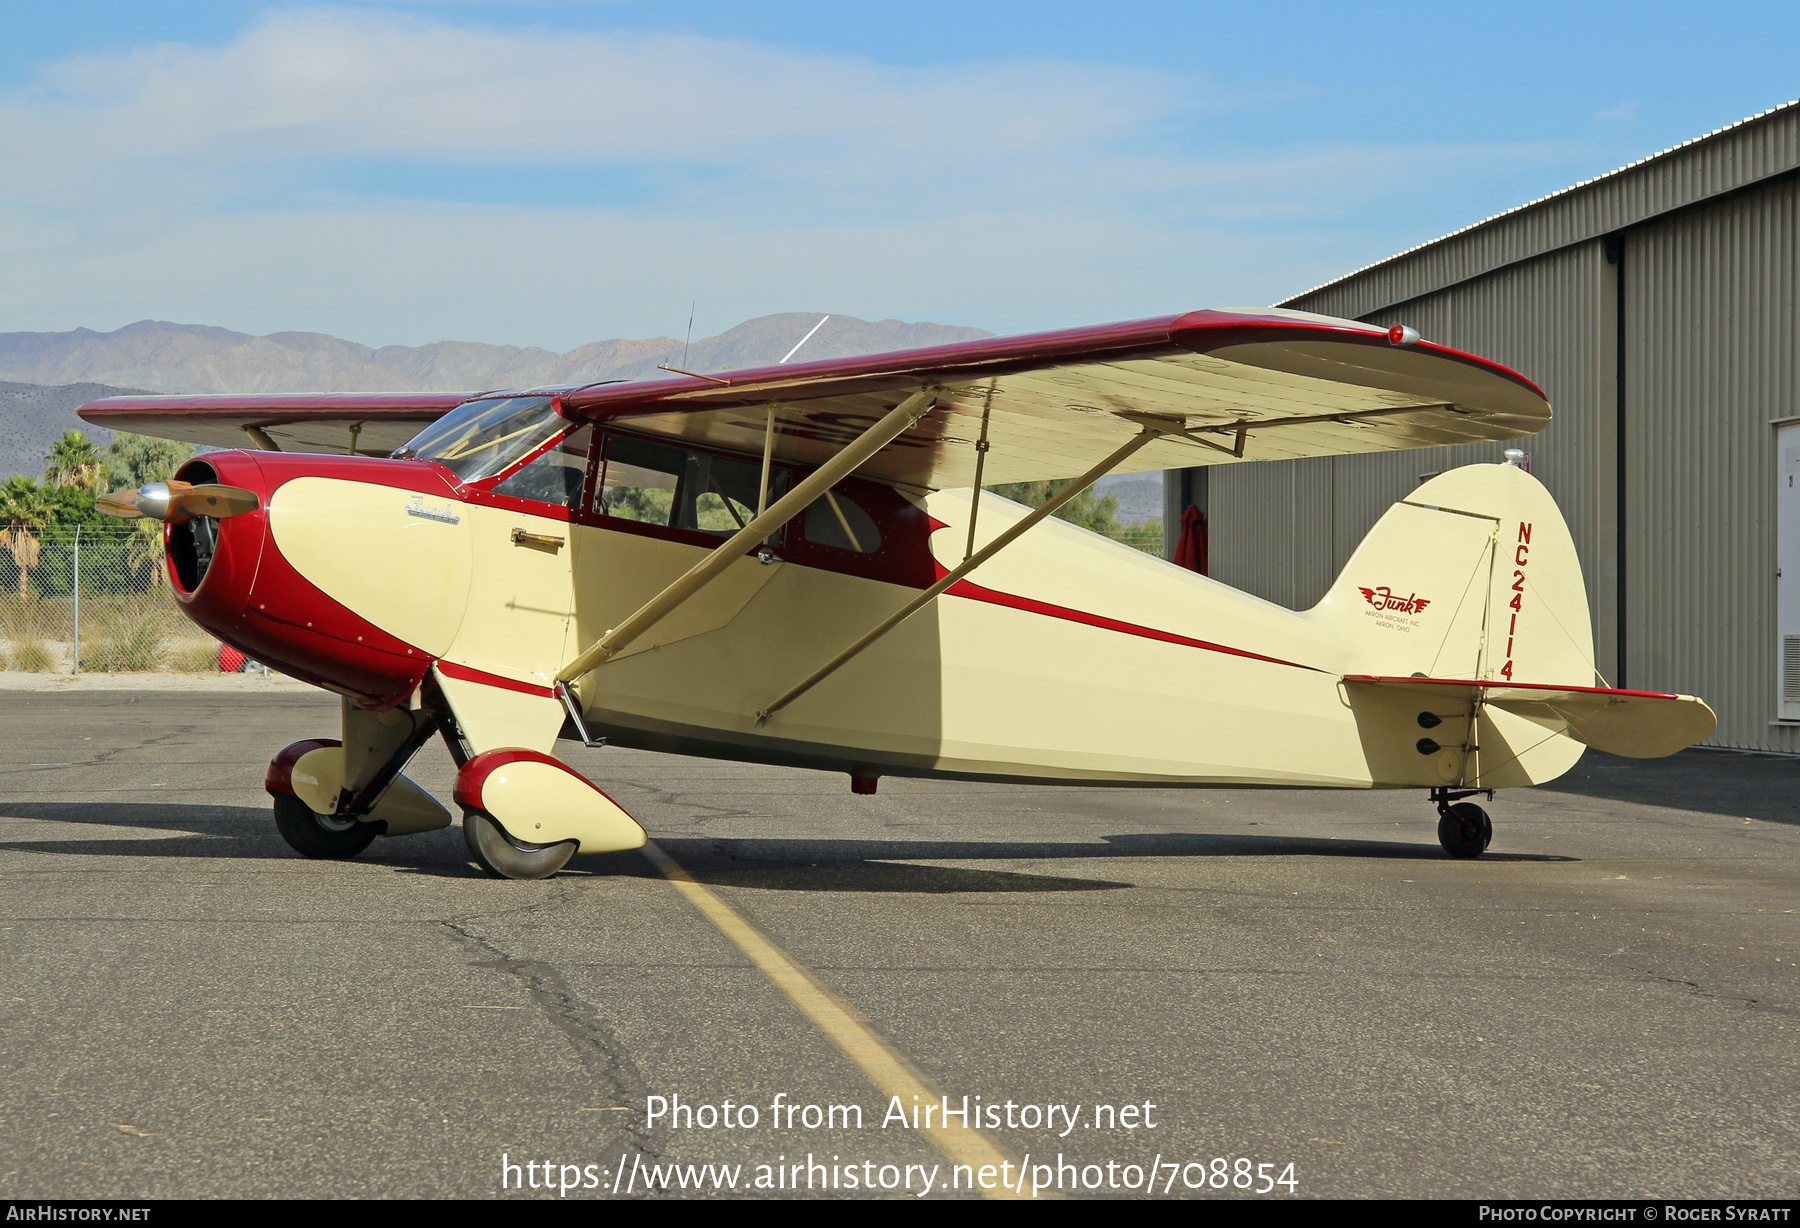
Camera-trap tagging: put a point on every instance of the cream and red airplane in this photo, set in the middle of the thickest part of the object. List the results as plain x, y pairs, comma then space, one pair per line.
797, 565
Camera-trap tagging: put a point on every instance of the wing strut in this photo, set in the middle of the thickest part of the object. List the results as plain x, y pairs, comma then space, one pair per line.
762, 490
751, 535
1152, 429
981, 451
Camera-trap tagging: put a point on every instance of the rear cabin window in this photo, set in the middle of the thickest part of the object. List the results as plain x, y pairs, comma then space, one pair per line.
556, 476
838, 521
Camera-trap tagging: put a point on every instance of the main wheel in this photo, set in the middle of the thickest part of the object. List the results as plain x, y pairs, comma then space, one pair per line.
312, 834
1465, 830
500, 855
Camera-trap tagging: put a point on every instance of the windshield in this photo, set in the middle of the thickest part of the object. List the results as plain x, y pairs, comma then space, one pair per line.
479, 439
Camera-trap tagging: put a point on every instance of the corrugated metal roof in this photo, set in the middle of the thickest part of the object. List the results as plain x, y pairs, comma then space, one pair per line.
1724, 160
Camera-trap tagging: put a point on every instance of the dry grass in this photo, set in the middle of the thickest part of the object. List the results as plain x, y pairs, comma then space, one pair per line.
195, 658
30, 656
31, 618
26, 623
125, 650
127, 635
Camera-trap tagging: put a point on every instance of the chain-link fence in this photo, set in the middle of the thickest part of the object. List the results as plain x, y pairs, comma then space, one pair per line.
97, 599
93, 599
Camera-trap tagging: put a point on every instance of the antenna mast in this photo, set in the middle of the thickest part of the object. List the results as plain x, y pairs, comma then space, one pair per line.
805, 339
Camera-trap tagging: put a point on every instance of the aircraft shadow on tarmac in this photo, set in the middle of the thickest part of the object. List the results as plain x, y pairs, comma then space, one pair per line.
1749, 786
870, 865
247, 833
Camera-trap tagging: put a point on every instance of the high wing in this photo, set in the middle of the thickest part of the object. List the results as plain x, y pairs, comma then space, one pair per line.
368, 423
1636, 724
1252, 384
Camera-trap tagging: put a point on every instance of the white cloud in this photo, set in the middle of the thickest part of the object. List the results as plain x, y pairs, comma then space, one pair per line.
205, 184
328, 83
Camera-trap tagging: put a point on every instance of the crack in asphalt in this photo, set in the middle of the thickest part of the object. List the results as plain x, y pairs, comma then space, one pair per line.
105, 754
1700, 991
684, 803
600, 1051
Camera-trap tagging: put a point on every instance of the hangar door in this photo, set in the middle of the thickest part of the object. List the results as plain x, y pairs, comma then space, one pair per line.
1787, 564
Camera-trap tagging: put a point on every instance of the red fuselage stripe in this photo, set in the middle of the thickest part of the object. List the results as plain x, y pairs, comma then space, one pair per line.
974, 592
462, 673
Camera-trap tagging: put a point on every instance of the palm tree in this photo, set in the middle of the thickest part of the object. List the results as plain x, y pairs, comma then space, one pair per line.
136, 459
22, 513
145, 548
73, 460
133, 460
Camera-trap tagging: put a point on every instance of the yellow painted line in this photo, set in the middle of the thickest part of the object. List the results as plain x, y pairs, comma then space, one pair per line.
842, 1024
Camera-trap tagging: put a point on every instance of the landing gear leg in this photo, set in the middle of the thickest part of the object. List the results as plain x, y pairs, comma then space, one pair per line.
1464, 828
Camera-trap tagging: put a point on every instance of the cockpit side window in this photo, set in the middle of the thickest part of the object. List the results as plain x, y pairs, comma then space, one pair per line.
680, 488
718, 493
556, 476
663, 488
639, 480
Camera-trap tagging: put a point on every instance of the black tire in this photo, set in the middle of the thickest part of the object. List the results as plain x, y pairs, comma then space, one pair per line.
501, 856
1465, 830
316, 835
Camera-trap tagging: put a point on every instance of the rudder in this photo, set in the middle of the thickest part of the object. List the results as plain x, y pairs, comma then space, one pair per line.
1472, 576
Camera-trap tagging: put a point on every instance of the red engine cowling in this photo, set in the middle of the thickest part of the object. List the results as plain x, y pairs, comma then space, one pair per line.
230, 577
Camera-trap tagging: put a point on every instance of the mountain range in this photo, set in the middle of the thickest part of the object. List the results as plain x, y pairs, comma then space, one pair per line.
168, 357
45, 377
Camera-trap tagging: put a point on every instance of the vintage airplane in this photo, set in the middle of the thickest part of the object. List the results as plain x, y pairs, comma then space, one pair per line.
775, 565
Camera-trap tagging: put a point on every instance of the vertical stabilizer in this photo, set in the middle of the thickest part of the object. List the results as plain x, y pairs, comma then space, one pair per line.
1472, 577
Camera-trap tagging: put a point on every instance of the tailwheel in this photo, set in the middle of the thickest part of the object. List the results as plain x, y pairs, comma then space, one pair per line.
312, 834
1464, 829
501, 856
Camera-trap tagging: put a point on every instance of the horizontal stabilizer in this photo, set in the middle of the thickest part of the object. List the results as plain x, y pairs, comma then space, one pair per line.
1636, 724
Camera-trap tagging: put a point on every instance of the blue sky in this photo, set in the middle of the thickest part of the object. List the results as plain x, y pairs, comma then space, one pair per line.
554, 173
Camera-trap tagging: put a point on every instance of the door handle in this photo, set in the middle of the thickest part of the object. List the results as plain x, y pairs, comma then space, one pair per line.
537, 541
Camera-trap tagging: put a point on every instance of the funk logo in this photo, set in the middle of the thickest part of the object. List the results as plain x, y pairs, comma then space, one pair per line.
1383, 599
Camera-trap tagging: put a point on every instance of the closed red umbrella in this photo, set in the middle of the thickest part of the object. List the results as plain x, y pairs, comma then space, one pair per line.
1190, 551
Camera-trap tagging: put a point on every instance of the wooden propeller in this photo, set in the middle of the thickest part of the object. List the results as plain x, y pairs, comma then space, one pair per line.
173, 502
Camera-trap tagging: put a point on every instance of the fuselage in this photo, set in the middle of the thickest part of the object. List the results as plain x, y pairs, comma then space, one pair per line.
1067, 657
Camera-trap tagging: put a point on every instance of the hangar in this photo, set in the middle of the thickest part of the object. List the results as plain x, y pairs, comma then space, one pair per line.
1656, 306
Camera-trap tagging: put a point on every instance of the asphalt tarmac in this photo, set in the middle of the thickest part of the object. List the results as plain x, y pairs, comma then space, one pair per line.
1607, 1004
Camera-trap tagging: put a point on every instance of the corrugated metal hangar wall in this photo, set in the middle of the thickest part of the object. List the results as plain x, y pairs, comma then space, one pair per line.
1656, 306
